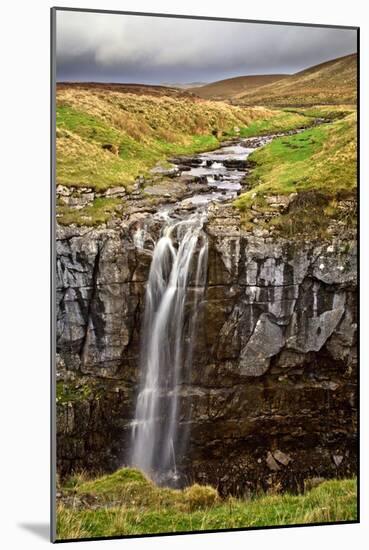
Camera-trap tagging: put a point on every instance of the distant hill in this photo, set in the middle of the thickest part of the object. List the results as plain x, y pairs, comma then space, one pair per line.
230, 87
125, 88
330, 82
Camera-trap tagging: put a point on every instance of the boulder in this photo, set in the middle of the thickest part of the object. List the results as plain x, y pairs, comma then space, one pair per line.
265, 342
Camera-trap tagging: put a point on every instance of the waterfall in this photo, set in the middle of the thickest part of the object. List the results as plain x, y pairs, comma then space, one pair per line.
174, 293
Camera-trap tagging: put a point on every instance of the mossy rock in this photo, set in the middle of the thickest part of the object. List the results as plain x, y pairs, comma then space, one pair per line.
128, 487
113, 484
67, 393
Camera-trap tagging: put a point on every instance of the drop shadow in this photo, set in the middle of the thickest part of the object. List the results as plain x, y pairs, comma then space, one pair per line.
42, 530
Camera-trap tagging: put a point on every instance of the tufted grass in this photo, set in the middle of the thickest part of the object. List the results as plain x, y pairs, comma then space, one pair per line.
127, 503
329, 112
319, 163
283, 121
143, 129
323, 158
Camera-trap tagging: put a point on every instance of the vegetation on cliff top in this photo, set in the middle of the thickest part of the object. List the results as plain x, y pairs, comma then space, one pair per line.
107, 138
319, 164
127, 503
99, 211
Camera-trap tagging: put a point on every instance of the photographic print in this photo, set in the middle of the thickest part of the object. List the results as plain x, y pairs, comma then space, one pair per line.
205, 274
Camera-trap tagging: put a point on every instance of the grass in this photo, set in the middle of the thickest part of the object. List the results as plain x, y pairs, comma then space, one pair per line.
130, 486
231, 87
66, 393
329, 112
107, 138
319, 164
127, 503
100, 211
281, 122
122, 485
143, 129
83, 388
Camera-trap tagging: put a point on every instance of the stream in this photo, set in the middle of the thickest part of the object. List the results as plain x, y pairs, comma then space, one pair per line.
223, 170
174, 297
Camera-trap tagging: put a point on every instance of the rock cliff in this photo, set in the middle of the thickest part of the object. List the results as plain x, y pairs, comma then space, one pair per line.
273, 383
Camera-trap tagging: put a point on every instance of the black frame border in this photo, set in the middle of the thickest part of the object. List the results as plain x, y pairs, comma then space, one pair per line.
53, 13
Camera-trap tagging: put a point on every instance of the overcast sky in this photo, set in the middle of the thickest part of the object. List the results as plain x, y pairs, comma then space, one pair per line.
125, 48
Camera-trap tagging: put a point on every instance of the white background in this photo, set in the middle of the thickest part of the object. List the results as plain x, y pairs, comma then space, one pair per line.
24, 272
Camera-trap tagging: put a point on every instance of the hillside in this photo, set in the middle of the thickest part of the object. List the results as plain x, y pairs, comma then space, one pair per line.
318, 166
108, 135
124, 88
331, 82
230, 87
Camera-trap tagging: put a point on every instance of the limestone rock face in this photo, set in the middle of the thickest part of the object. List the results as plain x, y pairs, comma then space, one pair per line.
264, 343
272, 391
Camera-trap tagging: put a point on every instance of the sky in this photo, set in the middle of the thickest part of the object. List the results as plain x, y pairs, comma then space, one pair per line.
103, 47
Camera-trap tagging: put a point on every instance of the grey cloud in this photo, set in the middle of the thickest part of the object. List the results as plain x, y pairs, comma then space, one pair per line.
123, 48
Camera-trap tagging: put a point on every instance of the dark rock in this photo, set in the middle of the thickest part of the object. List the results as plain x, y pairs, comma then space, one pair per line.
187, 161
274, 361
201, 179
114, 149
236, 164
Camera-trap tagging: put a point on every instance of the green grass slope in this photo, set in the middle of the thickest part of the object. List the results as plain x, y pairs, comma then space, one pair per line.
319, 164
126, 503
107, 137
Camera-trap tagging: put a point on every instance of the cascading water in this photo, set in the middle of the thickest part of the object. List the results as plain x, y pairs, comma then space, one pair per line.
174, 293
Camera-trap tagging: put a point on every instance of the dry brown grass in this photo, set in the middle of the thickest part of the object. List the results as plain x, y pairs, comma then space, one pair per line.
231, 87
142, 116
331, 82
144, 128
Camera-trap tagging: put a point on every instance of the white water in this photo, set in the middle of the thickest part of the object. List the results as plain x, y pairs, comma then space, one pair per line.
174, 293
